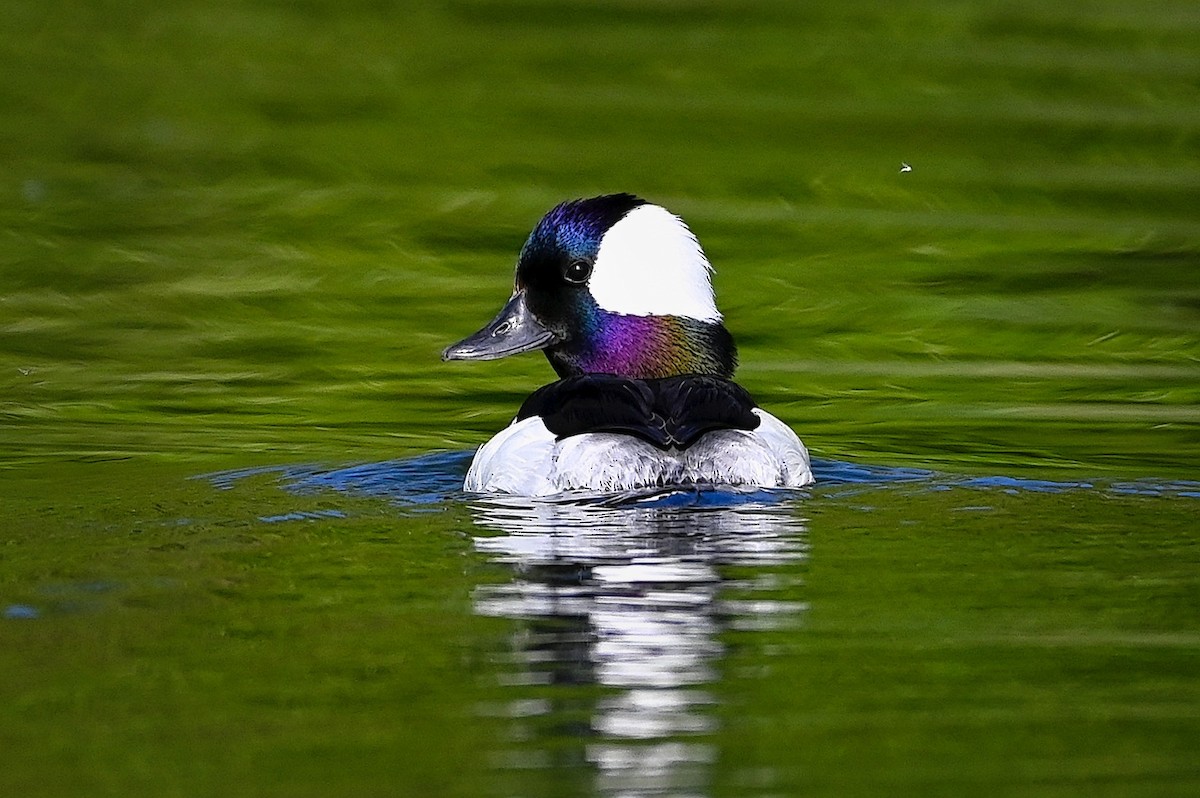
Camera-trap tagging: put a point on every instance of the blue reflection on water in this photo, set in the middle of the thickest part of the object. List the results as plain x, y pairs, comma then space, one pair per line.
435, 478
426, 479
837, 472
1015, 485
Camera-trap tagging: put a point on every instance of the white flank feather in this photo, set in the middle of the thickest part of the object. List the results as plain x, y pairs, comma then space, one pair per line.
525, 459
518, 460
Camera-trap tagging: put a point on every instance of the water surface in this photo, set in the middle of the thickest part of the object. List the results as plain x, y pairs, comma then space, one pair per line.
235, 557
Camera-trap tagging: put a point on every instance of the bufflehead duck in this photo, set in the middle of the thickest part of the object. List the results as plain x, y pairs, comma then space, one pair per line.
616, 292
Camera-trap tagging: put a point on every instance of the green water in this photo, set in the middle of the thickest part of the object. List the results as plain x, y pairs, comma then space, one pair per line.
237, 235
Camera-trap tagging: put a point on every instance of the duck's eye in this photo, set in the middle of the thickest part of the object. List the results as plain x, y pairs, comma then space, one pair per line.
577, 271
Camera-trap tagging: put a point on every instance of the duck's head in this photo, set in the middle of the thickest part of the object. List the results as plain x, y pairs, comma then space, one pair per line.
610, 285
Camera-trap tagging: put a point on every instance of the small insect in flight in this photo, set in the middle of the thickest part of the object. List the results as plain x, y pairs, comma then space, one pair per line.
905, 167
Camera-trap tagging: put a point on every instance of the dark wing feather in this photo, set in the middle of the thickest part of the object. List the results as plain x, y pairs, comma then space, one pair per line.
669, 413
598, 403
696, 404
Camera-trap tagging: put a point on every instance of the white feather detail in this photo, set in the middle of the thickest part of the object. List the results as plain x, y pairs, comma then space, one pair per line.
517, 460
650, 264
784, 443
524, 459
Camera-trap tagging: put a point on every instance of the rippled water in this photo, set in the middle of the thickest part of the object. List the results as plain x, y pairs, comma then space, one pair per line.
235, 558
888, 626
633, 602
637, 627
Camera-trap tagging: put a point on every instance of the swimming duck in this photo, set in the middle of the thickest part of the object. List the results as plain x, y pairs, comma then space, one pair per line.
617, 293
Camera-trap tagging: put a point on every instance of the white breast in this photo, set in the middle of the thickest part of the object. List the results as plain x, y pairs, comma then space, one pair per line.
524, 459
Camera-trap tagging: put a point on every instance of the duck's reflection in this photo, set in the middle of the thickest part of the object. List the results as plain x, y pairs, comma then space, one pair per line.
622, 611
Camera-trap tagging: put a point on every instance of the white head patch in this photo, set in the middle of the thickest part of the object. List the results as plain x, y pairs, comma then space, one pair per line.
650, 264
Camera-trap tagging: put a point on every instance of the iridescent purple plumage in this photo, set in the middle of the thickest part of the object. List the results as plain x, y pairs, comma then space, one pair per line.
575, 229
646, 347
